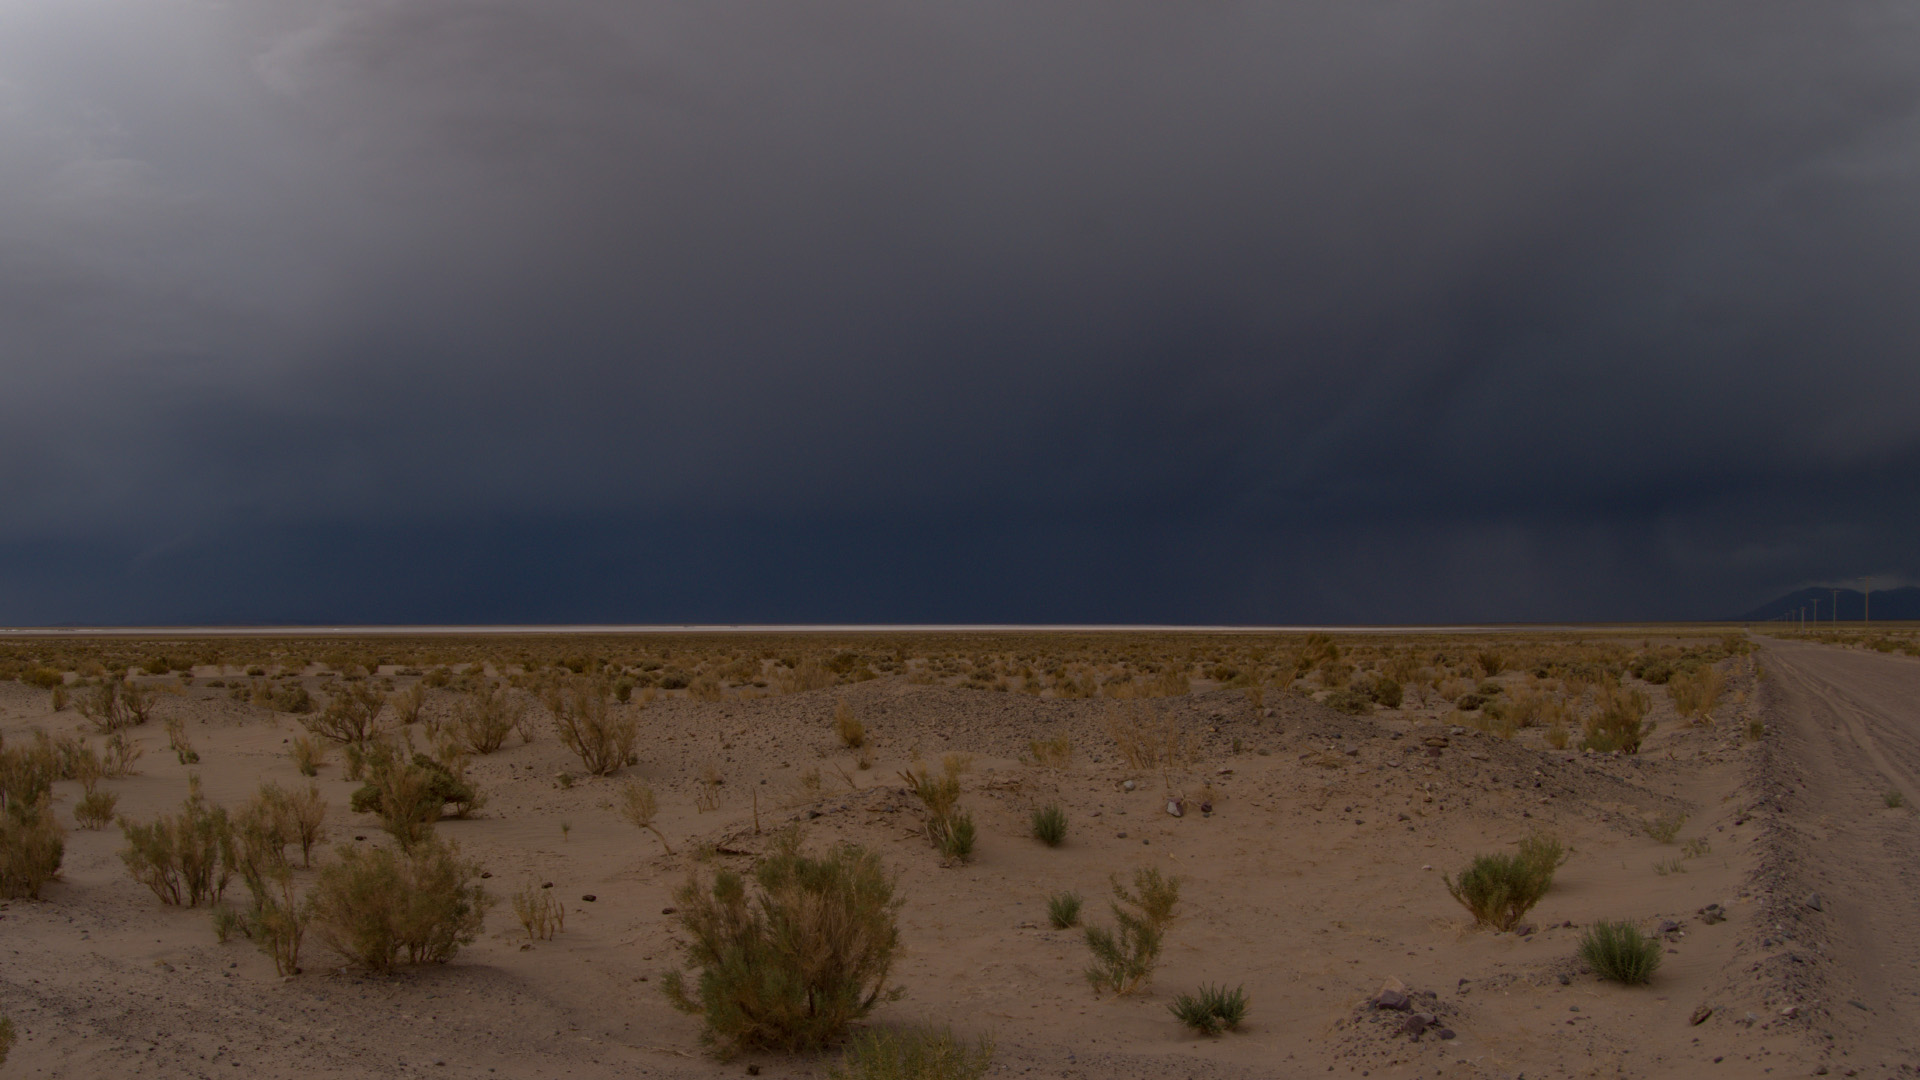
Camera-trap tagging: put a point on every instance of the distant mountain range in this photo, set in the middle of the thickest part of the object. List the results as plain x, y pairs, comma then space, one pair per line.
1891, 605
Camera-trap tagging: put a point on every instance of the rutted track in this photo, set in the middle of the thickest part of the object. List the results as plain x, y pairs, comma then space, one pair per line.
1849, 727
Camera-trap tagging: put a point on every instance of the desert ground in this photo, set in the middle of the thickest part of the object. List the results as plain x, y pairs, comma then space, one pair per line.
1311, 879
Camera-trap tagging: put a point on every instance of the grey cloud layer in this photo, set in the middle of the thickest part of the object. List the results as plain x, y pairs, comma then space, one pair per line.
1578, 297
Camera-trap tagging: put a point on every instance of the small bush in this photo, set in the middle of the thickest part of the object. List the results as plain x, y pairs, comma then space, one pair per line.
600, 734
406, 704
31, 847
1124, 958
1620, 722
291, 698
1050, 825
1350, 701
1619, 952
485, 716
6, 1038
379, 907
638, 805
1063, 910
1696, 692
178, 742
307, 755
410, 795
1894, 798
1211, 1010
351, 718
95, 809
790, 969
277, 918
541, 915
848, 727
950, 830
920, 1054
1498, 890
186, 857
956, 839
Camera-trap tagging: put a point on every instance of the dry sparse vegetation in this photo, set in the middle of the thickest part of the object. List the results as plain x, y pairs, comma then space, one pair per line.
1124, 957
852, 733
183, 858
914, 1054
639, 806
600, 733
379, 907
791, 968
541, 914
1499, 890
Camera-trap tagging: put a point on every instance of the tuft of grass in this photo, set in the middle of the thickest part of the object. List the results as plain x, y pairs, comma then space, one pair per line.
1619, 952
1050, 825
1664, 828
791, 968
1124, 957
95, 809
1211, 1010
1894, 798
915, 1054
1063, 910
1670, 866
950, 830
6, 1038
852, 733
1498, 890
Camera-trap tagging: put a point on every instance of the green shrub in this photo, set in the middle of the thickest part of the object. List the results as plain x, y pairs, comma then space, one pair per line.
956, 839
1498, 890
918, 1054
410, 795
1063, 910
1211, 1010
277, 918
379, 907
1386, 692
791, 968
1123, 958
1619, 952
1894, 798
1050, 825
184, 858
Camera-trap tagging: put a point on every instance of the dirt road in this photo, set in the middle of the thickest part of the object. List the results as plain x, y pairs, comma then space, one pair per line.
1848, 725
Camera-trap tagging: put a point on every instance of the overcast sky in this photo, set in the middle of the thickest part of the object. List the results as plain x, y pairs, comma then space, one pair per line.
557, 310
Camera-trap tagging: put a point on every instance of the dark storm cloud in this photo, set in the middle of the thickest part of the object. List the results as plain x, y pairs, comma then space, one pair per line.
1201, 312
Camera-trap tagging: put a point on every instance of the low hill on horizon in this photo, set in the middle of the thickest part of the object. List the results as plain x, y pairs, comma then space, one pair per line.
1890, 605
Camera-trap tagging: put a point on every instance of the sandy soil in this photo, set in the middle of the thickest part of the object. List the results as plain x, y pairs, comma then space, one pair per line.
1316, 878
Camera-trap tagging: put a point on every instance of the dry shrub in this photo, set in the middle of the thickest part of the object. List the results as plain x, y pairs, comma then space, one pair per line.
807, 675
178, 742
1149, 741
602, 735
541, 915
307, 755
638, 805
185, 857
1695, 692
351, 718
852, 733
31, 841
1498, 890
277, 919
379, 907
1124, 957
409, 792
1618, 722
951, 830
485, 716
406, 704
704, 687
1054, 753
791, 967
95, 809
121, 753
104, 706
